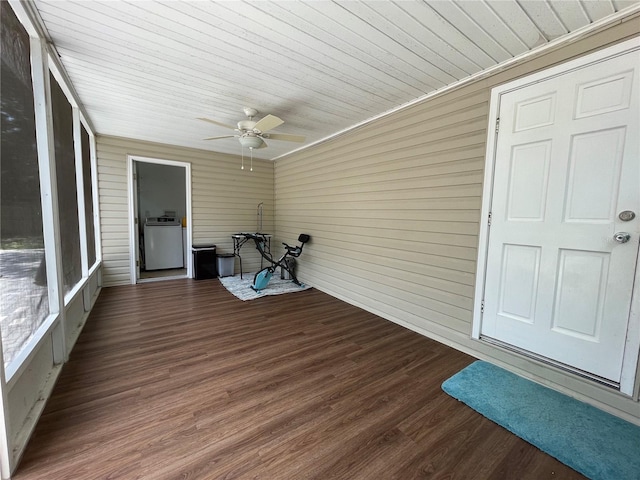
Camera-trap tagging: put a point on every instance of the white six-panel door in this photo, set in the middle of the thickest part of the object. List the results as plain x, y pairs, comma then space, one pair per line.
567, 165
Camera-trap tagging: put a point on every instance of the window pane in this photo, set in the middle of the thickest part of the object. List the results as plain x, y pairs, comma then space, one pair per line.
23, 282
88, 197
67, 191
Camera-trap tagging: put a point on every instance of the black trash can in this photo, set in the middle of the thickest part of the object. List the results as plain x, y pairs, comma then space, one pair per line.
204, 262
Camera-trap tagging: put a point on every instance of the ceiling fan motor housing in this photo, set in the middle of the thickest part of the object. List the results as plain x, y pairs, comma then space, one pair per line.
245, 125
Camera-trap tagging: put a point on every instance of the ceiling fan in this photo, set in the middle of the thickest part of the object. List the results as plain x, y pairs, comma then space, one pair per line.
251, 134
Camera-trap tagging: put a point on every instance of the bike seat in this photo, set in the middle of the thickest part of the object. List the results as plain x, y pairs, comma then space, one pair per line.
293, 251
296, 251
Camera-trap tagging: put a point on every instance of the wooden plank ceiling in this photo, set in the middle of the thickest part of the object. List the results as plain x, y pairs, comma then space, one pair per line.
148, 69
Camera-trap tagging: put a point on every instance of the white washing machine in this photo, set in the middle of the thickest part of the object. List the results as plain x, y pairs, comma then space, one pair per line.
163, 243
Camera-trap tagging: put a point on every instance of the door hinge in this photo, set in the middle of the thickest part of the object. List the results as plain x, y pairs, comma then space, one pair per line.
137, 263
135, 176
482, 306
489, 220
136, 221
497, 125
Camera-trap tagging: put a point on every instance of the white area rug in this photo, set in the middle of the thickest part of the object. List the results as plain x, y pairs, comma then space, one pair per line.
242, 288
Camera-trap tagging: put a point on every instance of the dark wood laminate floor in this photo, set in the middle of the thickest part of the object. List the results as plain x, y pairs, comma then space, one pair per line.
180, 380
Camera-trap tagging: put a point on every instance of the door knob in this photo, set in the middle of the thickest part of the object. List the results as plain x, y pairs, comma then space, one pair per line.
622, 237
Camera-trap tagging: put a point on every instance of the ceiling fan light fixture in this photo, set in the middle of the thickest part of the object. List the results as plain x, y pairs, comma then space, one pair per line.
250, 141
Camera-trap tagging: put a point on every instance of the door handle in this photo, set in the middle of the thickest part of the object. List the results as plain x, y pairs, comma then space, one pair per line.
622, 237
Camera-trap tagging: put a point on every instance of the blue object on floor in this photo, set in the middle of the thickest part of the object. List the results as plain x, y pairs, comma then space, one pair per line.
261, 279
593, 442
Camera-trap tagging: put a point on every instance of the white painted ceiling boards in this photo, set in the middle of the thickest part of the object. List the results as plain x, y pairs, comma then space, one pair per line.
147, 69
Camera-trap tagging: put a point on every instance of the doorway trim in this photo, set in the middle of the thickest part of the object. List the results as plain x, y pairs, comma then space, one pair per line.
629, 382
133, 242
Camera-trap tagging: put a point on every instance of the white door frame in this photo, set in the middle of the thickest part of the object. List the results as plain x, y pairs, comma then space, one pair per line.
632, 346
133, 229
135, 188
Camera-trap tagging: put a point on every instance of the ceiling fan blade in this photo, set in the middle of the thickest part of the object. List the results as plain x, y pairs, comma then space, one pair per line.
264, 144
286, 137
267, 123
217, 138
216, 123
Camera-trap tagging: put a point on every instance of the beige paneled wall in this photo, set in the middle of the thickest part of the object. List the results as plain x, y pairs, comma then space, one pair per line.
225, 199
393, 210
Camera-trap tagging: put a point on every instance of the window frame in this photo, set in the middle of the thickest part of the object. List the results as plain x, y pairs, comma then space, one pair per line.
44, 63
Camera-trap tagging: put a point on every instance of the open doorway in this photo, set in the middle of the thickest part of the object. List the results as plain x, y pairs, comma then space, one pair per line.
159, 219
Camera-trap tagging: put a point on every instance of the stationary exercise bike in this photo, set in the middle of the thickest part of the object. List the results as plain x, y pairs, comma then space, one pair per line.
261, 279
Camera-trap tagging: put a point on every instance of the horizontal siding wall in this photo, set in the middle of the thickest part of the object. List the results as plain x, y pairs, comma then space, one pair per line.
393, 210
224, 200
